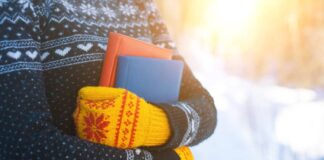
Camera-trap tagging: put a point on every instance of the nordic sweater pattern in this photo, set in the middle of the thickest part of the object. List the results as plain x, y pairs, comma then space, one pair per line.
50, 49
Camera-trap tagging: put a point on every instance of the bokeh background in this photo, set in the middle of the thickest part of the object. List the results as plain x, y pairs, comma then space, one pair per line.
263, 62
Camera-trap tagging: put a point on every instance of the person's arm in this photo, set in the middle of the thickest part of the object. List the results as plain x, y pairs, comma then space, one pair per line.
199, 107
194, 117
26, 128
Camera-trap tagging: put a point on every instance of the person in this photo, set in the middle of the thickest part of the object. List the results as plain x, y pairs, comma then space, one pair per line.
52, 48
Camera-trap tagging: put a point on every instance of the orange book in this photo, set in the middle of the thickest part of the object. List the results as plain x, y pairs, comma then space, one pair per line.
126, 46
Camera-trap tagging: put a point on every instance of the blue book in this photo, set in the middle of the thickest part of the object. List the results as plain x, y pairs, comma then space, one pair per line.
155, 80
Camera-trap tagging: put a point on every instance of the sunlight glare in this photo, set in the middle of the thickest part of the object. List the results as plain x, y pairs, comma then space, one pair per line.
234, 13
230, 16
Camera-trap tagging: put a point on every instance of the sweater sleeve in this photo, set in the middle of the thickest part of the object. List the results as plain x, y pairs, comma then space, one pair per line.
159, 32
192, 119
26, 128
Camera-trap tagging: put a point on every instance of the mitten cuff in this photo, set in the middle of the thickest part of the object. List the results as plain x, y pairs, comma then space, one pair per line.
99, 93
178, 123
159, 129
184, 153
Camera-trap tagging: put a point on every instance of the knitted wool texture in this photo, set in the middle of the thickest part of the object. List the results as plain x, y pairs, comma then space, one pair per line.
118, 118
50, 49
184, 153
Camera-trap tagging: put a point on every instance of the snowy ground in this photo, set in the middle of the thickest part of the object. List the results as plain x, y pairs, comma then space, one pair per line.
259, 121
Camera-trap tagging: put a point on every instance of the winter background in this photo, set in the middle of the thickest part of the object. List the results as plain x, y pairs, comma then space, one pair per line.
263, 62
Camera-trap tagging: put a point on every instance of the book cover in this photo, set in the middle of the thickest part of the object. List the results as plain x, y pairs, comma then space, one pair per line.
156, 80
123, 45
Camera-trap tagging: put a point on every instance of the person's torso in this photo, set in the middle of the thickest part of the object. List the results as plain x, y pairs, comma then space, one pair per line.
74, 42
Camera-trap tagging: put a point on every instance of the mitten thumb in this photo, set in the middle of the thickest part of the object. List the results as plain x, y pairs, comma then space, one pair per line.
184, 153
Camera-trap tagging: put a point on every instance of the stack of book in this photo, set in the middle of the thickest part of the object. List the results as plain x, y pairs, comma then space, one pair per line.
142, 68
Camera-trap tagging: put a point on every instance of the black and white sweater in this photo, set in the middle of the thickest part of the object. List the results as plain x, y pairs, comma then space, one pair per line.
49, 49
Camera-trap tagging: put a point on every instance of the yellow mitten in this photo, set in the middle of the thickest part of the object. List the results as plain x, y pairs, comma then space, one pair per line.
119, 118
184, 153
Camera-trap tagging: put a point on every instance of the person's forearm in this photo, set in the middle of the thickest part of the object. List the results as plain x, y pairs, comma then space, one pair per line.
27, 131
193, 119
197, 99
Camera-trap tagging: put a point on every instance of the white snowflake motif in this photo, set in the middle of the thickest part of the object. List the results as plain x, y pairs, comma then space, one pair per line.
151, 7
26, 4
88, 9
109, 12
3, 2
128, 10
69, 7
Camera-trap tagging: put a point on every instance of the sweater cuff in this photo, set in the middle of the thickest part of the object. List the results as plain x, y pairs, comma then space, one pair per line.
178, 123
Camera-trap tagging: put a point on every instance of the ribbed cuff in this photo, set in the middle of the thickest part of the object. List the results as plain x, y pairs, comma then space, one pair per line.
99, 93
159, 130
178, 123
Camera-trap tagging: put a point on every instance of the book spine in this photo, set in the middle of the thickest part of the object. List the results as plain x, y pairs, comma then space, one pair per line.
122, 73
115, 63
109, 60
181, 66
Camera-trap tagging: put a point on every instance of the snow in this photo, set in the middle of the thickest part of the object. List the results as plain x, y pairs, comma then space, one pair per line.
259, 121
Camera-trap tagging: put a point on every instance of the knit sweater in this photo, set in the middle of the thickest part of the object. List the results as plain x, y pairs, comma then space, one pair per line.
49, 49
